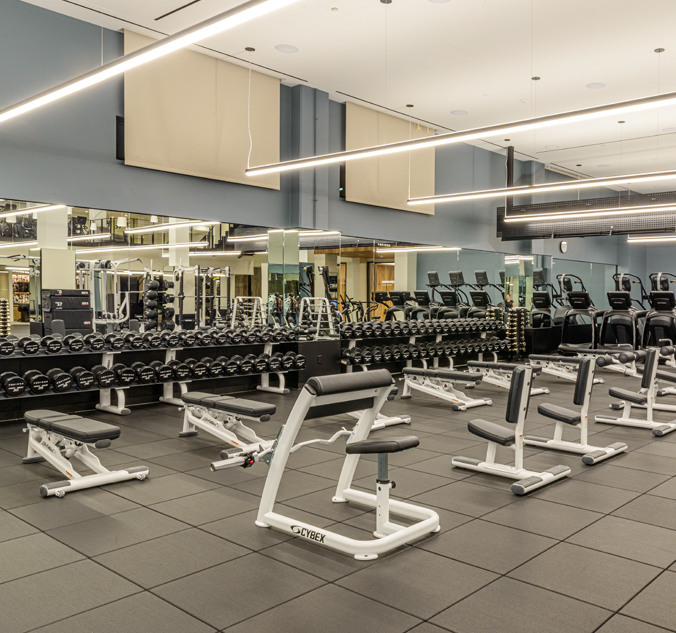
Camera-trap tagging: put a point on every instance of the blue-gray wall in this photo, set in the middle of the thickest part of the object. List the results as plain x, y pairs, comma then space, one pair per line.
66, 153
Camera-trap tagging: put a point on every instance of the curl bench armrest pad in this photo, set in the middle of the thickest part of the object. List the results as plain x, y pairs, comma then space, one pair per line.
492, 432
386, 445
346, 383
625, 394
561, 414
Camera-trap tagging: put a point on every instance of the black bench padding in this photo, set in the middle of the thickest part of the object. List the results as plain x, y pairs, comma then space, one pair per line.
624, 394
446, 374
492, 432
561, 414
345, 383
385, 445
501, 366
238, 406
73, 427
555, 359
666, 375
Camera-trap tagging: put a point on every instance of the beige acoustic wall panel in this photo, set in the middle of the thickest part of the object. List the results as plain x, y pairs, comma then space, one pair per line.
383, 181
187, 113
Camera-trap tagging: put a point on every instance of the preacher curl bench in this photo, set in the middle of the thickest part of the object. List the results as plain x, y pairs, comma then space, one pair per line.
57, 438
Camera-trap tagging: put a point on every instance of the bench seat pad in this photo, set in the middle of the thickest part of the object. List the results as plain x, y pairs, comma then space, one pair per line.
560, 414
238, 406
492, 432
384, 445
624, 394
73, 427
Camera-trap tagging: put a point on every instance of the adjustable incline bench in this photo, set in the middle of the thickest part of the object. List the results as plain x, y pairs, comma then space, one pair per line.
442, 383
57, 438
578, 420
496, 434
560, 366
222, 416
500, 374
627, 368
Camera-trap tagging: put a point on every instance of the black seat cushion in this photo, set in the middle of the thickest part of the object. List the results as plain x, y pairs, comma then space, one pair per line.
625, 394
458, 376
42, 417
416, 371
666, 375
85, 430
561, 414
346, 383
238, 406
492, 432
385, 445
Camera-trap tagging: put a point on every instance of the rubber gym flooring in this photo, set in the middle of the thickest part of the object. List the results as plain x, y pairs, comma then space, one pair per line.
180, 552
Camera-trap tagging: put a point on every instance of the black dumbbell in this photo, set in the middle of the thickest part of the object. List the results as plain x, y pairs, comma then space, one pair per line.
230, 368
12, 384
377, 353
114, 341
275, 362
144, 373
351, 355
251, 358
152, 339
197, 368
36, 381
203, 338
244, 365
170, 339
395, 350
28, 345
124, 375
215, 367
61, 380
180, 370
133, 340
74, 342
186, 338
95, 342
163, 373
219, 338
83, 378
6, 347
104, 376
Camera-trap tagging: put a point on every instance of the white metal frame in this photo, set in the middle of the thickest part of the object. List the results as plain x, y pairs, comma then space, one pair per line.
658, 428
59, 450
250, 309
592, 454
560, 366
317, 311
527, 480
445, 389
496, 375
389, 535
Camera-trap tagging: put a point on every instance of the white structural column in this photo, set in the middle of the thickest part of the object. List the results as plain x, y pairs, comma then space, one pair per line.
57, 262
181, 256
405, 271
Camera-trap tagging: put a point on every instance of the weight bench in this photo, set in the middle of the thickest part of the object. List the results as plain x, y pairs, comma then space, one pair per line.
500, 374
222, 417
645, 398
574, 419
57, 438
496, 434
628, 368
560, 366
442, 383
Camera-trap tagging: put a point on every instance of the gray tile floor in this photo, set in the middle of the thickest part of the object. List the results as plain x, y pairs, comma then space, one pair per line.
180, 551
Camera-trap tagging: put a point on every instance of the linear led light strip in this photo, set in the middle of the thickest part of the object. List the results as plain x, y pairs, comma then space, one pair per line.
264, 236
29, 210
18, 244
652, 238
209, 254
592, 213
87, 238
607, 181
156, 228
128, 249
513, 127
219, 23
417, 249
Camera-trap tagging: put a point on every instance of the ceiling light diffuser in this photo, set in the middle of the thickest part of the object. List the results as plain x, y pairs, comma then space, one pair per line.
651, 238
595, 85
128, 249
19, 244
606, 181
222, 22
85, 238
31, 210
286, 48
549, 120
417, 249
592, 213
156, 228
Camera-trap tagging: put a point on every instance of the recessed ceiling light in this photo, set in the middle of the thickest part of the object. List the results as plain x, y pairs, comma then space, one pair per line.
603, 165
439, 1
459, 112
508, 139
595, 85
535, 78
578, 165
286, 48
551, 147
669, 129
621, 121
659, 50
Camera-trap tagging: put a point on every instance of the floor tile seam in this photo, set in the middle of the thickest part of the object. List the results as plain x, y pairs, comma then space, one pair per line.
642, 522
149, 505
634, 560
631, 617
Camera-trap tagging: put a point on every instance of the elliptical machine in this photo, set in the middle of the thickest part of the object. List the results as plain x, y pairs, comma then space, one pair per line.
575, 330
660, 321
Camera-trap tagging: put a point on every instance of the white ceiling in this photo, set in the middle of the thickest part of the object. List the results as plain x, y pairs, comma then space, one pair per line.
472, 55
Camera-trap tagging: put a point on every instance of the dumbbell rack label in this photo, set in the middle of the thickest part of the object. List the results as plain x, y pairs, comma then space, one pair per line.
105, 394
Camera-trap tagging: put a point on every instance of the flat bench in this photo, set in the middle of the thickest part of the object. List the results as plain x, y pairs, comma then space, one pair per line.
73, 427
445, 374
261, 411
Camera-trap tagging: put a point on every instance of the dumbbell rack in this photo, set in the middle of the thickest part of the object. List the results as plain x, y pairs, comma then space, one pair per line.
106, 402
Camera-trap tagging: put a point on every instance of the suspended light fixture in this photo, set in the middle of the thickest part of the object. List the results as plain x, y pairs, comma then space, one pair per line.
121, 221
85, 238
574, 116
19, 244
607, 181
417, 249
592, 213
128, 249
261, 237
154, 219
170, 225
648, 239
30, 210
219, 23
